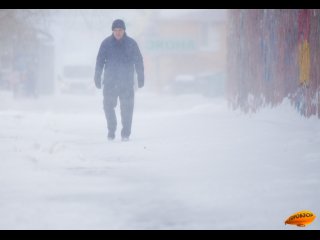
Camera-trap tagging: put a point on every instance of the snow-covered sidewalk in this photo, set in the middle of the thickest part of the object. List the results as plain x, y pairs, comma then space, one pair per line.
192, 163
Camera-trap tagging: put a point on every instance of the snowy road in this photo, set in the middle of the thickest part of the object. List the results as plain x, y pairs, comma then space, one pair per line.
192, 163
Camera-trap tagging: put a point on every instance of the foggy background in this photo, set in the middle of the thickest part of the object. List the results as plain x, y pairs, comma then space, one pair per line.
177, 45
191, 162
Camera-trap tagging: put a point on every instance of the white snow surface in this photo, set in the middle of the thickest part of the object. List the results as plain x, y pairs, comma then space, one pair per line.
191, 163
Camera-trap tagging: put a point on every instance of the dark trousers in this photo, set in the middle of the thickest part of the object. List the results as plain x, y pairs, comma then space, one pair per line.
110, 99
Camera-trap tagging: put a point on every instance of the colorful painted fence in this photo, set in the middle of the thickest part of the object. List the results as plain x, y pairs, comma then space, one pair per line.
272, 55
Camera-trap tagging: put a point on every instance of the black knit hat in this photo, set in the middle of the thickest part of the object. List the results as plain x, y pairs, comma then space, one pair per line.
118, 24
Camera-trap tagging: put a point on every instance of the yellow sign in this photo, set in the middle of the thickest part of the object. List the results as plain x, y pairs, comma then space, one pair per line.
301, 219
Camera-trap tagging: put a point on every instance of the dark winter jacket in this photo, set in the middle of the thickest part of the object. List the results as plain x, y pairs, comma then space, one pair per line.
118, 59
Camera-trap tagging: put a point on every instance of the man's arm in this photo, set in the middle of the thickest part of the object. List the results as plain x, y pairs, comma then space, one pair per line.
101, 59
138, 62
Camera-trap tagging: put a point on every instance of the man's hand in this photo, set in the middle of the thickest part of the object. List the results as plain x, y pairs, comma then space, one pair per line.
140, 84
98, 83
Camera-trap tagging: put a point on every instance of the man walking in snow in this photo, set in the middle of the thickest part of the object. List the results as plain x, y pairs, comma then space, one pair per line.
118, 56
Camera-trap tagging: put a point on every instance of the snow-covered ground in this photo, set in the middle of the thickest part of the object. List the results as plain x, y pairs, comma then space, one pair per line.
192, 163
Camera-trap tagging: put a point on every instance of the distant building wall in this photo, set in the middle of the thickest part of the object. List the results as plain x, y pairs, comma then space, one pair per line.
184, 46
272, 55
28, 62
